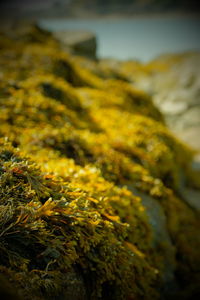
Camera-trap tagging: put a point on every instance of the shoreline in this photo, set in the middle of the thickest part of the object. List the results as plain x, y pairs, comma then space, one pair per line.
130, 16
35, 17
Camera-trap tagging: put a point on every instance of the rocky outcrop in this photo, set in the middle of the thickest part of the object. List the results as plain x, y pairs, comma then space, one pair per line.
95, 193
161, 241
173, 80
80, 42
176, 93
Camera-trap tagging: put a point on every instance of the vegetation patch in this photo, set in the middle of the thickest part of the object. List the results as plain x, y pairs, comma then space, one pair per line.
79, 153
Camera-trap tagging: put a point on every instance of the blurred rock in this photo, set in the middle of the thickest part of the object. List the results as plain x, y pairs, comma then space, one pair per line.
192, 197
161, 239
174, 82
176, 93
81, 42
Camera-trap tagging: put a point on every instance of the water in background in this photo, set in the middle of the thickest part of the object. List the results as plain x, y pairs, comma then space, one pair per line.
139, 38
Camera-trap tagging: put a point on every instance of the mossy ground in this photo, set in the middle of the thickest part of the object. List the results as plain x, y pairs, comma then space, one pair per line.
71, 142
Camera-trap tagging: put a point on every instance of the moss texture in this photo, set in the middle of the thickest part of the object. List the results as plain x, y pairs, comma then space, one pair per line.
71, 144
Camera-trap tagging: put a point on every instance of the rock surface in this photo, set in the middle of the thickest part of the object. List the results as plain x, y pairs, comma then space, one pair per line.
81, 42
174, 82
161, 240
177, 94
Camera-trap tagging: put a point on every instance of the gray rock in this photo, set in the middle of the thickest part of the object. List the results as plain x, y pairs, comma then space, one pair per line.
176, 92
161, 238
81, 42
189, 135
169, 107
192, 198
196, 163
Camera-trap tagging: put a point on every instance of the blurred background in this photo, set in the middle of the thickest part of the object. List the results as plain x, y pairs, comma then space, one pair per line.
99, 7
125, 29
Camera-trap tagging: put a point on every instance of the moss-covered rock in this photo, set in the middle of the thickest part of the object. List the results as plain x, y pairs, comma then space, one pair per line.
87, 168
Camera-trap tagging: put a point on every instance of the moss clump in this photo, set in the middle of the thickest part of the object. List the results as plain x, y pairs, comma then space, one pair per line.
50, 227
80, 147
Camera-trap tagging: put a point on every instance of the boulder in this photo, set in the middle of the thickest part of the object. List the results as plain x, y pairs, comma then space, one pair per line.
176, 94
81, 42
161, 239
173, 82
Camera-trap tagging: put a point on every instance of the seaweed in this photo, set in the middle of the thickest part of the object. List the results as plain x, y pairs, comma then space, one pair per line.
78, 154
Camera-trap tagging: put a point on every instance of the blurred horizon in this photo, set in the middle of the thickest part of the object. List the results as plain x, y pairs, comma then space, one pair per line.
90, 8
124, 29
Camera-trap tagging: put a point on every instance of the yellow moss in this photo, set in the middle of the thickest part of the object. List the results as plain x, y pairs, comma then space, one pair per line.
86, 139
